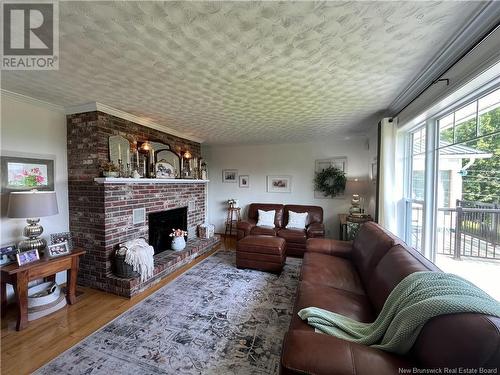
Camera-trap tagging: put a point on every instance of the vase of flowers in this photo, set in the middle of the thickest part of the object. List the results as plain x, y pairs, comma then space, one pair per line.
178, 239
233, 203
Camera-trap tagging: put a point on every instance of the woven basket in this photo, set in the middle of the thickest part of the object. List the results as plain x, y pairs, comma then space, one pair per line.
44, 299
123, 269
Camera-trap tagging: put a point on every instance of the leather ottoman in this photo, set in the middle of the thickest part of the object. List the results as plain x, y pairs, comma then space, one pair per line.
259, 252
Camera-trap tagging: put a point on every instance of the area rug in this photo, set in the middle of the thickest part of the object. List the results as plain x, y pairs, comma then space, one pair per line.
213, 319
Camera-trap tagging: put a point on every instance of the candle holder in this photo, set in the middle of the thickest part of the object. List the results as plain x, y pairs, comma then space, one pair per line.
120, 168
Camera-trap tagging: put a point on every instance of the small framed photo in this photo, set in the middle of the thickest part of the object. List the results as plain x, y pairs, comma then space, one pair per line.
230, 175
58, 249
8, 254
244, 181
279, 184
27, 257
56, 238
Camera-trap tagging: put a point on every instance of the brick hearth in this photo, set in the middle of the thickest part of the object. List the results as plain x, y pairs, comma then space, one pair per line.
166, 262
100, 214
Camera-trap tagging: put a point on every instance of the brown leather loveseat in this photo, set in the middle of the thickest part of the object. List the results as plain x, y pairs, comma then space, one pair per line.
354, 279
295, 238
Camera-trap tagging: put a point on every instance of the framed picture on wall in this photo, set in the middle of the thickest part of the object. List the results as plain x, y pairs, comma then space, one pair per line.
21, 174
230, 175
244, 181
279, 184
339, 162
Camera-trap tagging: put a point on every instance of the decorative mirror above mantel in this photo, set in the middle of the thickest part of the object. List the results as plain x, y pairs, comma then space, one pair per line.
119, 150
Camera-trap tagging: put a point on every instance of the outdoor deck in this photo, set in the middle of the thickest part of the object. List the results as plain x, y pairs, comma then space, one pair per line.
467, 241
485, 273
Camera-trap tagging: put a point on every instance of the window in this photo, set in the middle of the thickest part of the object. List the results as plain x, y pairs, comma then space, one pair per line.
466, 198
416, 189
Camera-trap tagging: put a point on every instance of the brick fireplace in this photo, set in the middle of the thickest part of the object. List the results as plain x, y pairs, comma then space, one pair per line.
101, 210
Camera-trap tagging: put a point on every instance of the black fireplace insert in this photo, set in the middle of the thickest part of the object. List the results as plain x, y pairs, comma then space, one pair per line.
161, 225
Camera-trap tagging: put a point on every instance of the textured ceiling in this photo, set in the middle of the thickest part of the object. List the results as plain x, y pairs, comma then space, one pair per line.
241, 72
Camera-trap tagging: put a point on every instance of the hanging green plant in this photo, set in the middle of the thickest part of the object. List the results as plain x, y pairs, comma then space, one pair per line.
330, 181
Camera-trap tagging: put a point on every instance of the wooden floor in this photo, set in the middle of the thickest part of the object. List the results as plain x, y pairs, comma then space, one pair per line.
44, 339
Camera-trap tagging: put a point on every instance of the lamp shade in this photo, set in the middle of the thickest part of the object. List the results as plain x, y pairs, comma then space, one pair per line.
356, 186
32, 204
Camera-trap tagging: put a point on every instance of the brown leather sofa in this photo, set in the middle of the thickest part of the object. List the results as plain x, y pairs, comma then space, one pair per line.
354, 279
295, 238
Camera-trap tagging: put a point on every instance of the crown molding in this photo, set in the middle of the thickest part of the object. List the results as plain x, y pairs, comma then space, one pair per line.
481, 25
29, 100
96, 106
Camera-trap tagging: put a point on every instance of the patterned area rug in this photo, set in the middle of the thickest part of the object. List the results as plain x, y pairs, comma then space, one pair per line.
213, 319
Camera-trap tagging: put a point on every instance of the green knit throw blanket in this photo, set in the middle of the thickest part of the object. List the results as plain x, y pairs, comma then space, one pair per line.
418, 298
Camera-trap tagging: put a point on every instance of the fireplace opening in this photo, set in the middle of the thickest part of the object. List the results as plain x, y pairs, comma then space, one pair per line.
161, 225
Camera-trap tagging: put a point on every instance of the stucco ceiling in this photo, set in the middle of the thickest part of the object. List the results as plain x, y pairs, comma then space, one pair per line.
241, 72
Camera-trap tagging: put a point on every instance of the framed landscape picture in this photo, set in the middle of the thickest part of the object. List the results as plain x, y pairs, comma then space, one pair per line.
279, 184
230, 175
20, 174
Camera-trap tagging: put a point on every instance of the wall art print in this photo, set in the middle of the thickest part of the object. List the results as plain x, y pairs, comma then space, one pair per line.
21, 174
279, 184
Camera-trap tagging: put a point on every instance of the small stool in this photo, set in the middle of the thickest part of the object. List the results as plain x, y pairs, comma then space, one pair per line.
264, 253
233, 216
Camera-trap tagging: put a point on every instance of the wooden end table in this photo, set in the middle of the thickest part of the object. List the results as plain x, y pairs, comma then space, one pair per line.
20, 276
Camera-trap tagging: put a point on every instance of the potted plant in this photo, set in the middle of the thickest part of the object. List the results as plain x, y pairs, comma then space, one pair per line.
178, 240
109, 169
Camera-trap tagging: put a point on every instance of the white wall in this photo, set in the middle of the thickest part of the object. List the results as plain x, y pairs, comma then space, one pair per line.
32, 130
296, 160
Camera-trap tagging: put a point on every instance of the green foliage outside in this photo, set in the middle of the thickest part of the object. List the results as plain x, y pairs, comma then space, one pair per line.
482, 182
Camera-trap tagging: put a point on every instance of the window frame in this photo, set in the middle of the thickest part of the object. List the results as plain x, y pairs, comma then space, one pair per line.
431, 175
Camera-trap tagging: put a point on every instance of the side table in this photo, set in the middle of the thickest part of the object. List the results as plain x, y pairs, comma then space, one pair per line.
20, 276
349, 226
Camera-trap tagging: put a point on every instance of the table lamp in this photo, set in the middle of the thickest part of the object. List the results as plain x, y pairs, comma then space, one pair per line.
31, 205
357, 188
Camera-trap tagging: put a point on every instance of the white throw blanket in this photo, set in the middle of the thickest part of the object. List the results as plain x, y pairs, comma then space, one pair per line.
140, 256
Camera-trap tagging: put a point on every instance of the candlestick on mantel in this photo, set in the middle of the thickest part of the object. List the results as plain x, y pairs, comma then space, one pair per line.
119, 152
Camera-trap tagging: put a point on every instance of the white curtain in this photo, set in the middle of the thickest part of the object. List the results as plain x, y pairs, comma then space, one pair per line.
387, 177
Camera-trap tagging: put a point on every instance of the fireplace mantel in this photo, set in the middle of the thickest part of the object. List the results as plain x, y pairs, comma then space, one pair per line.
120, 180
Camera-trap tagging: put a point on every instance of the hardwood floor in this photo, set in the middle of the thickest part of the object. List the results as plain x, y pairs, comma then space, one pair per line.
44, 339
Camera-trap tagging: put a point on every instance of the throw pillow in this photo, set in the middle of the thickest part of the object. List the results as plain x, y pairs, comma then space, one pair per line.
266, 218
296, 220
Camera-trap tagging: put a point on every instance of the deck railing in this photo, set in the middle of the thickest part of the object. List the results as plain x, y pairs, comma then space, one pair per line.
470, 229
